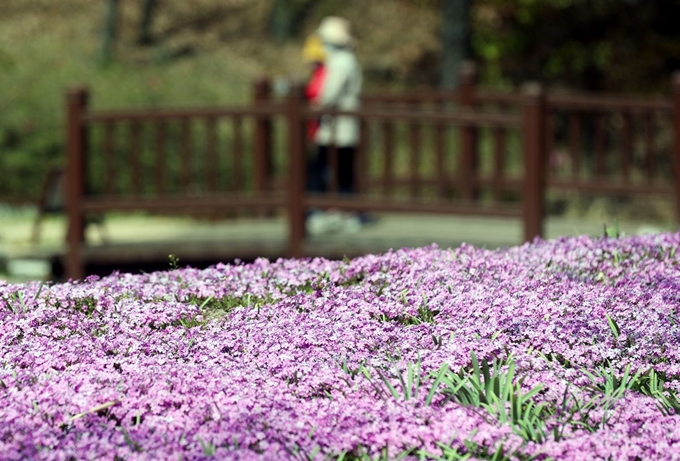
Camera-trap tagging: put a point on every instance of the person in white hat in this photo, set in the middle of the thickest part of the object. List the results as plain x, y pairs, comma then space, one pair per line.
341, 89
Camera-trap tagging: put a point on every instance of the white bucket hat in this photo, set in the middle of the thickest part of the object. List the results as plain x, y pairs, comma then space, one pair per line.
335, 30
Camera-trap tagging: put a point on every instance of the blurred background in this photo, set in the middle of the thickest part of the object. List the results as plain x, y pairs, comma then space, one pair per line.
164, 53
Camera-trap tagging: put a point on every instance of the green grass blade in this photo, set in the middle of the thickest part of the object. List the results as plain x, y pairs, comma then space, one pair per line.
205, 302
533, 392
616, 331
442, 371
37, 295
409, 381
488, 382
475, 367
391, 388
418, 371
402, 383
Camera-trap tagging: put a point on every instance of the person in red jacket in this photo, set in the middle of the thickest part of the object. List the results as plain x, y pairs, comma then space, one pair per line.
314, 55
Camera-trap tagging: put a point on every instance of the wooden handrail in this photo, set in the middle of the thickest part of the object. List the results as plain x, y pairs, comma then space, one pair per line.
466, 117
182, 203
589, 102
261, 109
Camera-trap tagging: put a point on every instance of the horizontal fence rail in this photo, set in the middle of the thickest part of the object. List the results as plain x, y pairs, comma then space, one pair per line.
465, 151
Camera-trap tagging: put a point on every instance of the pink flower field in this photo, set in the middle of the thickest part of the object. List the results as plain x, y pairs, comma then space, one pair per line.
565, 349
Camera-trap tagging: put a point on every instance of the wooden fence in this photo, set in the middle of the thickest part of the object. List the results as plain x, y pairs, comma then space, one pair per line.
463, 152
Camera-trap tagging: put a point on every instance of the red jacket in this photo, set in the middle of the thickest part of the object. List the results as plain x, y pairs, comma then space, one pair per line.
312, 93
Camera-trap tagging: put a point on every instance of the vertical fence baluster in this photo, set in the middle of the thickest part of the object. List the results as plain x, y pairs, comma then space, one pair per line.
441, 104
135, 154
550, 144
388, 151
439, 142
211, 153
600, 147
186, 160
650, 166
161, 164
498, 161
626, 146
109, 157
466, 175
263, 133
575, 143
237, 171
415, 138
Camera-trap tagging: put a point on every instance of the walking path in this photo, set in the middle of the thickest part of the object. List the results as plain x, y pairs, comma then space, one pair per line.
131, 238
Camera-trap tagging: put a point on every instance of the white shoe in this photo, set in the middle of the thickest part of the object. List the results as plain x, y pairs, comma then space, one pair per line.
323, 223
351, 224
334, 221
314, 225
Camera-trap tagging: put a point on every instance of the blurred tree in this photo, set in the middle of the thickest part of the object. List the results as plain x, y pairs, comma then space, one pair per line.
455, 39
110, 30
285, 16
281, 20
144, 36
613, 45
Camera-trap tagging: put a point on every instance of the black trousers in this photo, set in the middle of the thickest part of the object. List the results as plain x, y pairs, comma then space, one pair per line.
319, 173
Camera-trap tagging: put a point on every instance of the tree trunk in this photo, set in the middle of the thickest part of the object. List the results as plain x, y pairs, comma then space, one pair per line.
455, 39
281, 19
286, 16
110, 31
144, 36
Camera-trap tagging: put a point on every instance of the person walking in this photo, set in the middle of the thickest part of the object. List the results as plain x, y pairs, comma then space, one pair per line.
341, 90
314, 56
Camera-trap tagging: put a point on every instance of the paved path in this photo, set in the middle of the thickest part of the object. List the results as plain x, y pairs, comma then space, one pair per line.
137, 237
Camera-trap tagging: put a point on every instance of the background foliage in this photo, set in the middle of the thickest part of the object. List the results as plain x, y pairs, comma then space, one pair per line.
209, 51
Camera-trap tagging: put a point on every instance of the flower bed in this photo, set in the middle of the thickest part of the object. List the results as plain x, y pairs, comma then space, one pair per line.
565, 349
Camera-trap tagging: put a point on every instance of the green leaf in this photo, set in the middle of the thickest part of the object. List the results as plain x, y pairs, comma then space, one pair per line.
616, 331
205, 302
391, 388
37, 295
416, 381
442, 371
209, 448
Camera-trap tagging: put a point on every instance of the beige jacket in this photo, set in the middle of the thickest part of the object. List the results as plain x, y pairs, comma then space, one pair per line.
341, 90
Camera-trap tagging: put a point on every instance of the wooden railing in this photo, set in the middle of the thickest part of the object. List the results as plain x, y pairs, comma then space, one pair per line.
126, 184
594, 143
463, 152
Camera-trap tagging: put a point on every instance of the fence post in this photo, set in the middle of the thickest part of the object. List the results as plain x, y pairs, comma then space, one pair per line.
469, 134
296, 170
468, 83
533, 144
76, 145
676, 146
263, 136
